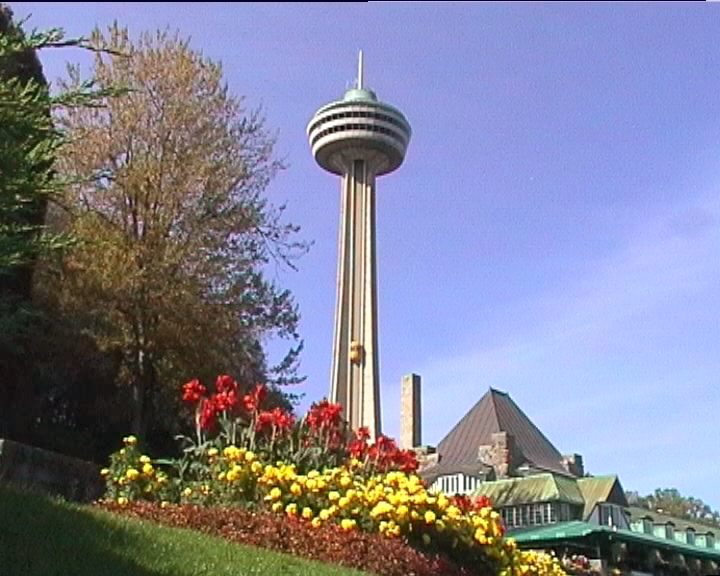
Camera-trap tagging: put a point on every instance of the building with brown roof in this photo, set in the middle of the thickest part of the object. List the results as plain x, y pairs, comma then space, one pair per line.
546, 500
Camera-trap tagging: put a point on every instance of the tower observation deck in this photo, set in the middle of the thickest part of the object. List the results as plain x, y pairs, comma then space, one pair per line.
357, 138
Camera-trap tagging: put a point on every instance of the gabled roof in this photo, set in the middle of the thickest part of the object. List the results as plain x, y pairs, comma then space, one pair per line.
531, 489
601, 489
496, 412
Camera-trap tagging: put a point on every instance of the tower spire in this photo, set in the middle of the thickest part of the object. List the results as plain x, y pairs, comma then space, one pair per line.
360, 71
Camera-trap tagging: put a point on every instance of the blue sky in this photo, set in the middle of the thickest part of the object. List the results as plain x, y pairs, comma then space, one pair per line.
555, 229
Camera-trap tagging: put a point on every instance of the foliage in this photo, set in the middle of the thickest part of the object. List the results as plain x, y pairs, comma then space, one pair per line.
669, 501
29, 145
72, 540
174, 230
244, 456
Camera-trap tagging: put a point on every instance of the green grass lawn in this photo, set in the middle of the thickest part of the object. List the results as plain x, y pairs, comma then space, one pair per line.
45, 537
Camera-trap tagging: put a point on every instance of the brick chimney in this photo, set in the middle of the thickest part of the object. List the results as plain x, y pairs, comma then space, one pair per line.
410, 411
500, 454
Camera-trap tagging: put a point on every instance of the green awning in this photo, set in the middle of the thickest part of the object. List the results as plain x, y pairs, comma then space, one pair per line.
576, 530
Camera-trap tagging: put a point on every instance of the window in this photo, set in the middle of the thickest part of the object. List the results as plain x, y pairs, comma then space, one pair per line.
551, 513
508, 516
690, 536
539, 514
525, 515
647, 526
710, 540
670, 531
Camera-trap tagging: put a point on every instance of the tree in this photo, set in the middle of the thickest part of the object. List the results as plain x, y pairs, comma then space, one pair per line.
669, 501
29, 142
174, 230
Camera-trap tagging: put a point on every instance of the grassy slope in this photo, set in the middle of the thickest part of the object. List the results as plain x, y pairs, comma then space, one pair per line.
44, 537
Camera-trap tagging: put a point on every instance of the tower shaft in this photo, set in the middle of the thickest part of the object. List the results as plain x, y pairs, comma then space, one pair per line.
355, 381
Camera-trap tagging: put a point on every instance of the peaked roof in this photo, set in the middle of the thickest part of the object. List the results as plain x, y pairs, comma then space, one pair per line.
496, 412
530, 489
601, 489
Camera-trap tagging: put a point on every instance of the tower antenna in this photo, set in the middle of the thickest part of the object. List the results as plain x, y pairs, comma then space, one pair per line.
360, 71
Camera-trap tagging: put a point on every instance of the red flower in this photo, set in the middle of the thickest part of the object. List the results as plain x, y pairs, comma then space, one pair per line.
225, 384
206, 414
467, 503
277, 418
324, 414
252, 399
193, 391
362, 433
264, 420
224, 400
283, 420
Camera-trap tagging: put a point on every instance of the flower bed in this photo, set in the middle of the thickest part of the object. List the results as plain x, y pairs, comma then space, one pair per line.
317, 473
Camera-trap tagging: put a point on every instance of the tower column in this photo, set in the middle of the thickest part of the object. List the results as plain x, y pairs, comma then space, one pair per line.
355, 367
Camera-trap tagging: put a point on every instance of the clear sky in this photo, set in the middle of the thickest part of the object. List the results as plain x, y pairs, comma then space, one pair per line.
555, 229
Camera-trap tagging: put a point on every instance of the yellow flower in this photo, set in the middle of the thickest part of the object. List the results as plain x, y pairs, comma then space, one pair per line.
311, 484
132, 473
104, 471
231, 452
212, 452
291, 509
380, 508
344, 501
221, 476
453, 512
345, 481
144, 459
295, 489
324, 514
307, 513
347, 524
277, 506
316, 522
256, 467
164, 504
249, 456
334, 496
274, 494
401, 511
430, 517
187, 491
480, 536
122, 501
130, 440
313, 474
442, 501
147, 469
